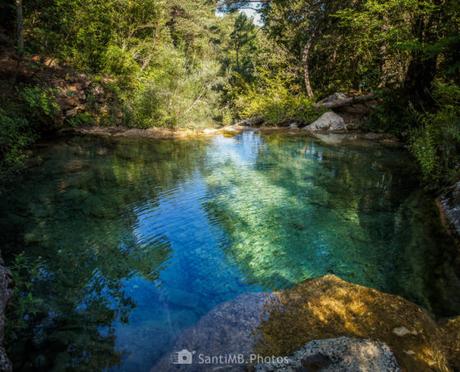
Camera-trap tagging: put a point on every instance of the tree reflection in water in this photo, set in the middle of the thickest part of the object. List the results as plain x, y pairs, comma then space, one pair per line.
127, 242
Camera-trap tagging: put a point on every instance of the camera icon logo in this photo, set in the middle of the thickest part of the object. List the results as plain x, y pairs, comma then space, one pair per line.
182, 357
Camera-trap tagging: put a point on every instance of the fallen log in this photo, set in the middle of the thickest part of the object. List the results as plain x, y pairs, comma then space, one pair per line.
344, 101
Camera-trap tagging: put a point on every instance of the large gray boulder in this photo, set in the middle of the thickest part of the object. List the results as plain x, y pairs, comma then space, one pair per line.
337, 354
329, 121
226, 330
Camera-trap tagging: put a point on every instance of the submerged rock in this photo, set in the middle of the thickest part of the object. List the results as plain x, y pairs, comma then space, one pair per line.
338, 354
329, 121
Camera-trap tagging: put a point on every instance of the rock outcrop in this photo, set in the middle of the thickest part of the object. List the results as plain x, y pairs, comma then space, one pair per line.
227, 329
330, 122
337, 354
329, 307
450, 207
79, 99
282, 323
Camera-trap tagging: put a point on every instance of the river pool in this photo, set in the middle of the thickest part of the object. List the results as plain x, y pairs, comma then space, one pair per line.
127, 242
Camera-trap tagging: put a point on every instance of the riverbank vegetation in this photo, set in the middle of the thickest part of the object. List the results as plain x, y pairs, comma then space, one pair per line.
197, 64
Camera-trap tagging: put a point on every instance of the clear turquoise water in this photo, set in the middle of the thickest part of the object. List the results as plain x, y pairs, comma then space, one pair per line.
127, 242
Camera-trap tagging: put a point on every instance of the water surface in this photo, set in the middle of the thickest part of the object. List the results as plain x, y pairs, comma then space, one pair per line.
132, 241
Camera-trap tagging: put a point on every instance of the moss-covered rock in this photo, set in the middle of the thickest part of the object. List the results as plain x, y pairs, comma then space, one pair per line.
329, 307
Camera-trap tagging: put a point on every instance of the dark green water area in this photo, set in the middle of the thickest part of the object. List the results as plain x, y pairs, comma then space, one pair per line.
120, 244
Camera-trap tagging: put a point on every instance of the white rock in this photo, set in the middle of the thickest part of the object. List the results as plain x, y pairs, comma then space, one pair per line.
403, 331
329, 121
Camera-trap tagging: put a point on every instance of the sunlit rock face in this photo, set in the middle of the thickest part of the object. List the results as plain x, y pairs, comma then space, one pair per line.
324, 308
329, 307
451, 340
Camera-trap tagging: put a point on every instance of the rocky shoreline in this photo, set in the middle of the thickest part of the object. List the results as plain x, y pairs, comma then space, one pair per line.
328, 137
356, 325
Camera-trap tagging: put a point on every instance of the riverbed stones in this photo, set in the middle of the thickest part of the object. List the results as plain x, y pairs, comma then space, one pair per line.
337, 354
329, 121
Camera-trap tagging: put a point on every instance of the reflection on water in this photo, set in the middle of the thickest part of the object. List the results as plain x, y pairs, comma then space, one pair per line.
132, 241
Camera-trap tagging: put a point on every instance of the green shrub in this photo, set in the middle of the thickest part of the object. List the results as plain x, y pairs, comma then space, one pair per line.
15, 136
436, 143
120, 63
273, 100
170, 94
41, 104
81, 119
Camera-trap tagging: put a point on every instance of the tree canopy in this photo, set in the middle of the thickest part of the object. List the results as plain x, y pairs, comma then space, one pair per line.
202, 63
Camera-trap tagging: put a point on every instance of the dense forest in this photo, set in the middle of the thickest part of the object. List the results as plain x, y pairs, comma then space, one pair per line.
202, 63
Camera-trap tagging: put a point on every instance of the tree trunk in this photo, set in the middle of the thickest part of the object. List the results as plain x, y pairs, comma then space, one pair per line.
19, 27
419, 78
306, 69
422, 67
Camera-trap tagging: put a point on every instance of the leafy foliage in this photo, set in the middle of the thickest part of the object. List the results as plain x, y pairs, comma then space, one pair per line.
40, 103
273, 100
178, 63
15, 136
436, 143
